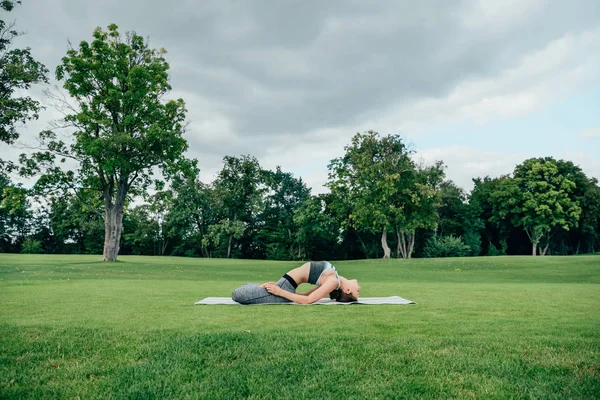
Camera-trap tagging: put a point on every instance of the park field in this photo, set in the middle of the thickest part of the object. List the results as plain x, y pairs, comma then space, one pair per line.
490, 327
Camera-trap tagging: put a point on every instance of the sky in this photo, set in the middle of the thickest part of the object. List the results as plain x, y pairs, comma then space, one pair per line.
481, 85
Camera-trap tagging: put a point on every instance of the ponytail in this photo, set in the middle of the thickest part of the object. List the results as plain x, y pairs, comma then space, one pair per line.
341, 297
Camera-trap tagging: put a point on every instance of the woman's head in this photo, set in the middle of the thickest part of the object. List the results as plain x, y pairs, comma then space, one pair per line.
349, 291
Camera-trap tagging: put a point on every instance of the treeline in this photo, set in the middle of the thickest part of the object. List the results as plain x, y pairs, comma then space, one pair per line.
111, 177
380, 204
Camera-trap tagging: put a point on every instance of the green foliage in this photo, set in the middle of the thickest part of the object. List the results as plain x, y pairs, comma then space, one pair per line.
238, 195
18, 72
446, 246
538, 199
385, 189
473, 240
494, 251
123, 126
31, 246
278, 228
15, 215
370, 176
76, 224
317, 229
142, 232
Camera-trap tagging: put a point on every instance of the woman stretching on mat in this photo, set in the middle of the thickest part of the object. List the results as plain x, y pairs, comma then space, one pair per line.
322, 274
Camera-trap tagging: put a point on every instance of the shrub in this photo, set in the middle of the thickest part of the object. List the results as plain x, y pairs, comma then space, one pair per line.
446, 246
31, 246
473, 240
494, 251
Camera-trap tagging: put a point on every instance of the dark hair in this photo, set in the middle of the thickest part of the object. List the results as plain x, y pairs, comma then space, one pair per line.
340, 296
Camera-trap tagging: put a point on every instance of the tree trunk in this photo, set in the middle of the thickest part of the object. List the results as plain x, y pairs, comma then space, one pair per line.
113, 227
406, 243
229, 246
578, 245
534, 249
113, 219
411, 245
363, 245
386, 248
545, 249
401, 246
164, 247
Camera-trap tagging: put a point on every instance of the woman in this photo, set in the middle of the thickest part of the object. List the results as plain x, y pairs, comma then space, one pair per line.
321, 274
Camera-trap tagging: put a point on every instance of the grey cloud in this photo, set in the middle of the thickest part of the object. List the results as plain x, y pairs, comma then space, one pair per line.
275, 68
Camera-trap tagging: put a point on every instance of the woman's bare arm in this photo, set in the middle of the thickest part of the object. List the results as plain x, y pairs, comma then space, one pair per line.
315, 295
309, 292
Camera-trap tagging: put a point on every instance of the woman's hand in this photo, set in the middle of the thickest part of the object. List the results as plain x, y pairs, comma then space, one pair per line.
273, 288
264, 285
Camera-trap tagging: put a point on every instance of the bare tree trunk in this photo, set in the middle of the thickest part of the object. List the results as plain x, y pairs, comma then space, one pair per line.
113, 218
292, 250
401, 246
362, 244
578, 244
229, 246
113, 227
411, 245
534, 249
545, 249
164, 247
386, 248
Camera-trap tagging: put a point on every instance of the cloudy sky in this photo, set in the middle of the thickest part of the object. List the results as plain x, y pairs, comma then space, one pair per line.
481, 85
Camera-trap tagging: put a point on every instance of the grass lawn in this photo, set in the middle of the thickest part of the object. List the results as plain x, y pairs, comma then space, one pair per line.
498, 327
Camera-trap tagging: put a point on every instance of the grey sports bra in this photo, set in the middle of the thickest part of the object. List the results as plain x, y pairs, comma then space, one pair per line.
316, 271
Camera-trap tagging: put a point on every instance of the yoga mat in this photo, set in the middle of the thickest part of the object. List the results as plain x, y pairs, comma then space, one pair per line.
362, 300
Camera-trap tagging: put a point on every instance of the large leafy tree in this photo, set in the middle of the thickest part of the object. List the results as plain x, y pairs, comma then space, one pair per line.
416, 205
539, 199
371, 174
18, 71
122, 126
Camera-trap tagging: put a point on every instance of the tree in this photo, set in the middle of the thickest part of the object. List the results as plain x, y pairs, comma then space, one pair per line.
192, 211
487, 202
143, 231
457, 217
239, 193
370, 175
278, 229
15, 214
122, 127
589, 222
76, 225
18, 71
539, 200
317, 231
417, 204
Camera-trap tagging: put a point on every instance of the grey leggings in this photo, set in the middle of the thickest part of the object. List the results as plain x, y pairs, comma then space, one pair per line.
252, 293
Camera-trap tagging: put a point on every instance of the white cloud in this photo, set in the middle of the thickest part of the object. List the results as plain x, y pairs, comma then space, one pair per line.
561, 67
593, 133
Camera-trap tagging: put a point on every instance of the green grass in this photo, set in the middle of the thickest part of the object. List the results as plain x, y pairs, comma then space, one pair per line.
501, 327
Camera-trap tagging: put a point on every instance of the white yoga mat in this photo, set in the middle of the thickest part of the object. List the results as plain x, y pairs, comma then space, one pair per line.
362, 300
